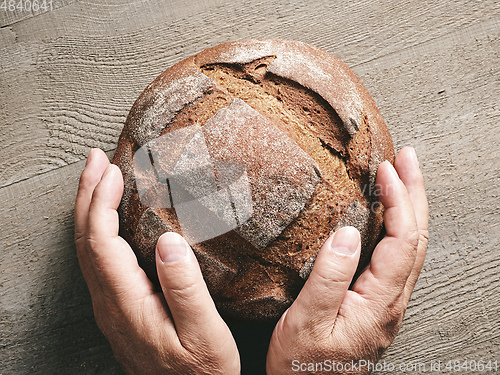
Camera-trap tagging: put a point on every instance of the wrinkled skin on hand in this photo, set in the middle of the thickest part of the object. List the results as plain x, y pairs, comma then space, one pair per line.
176, 331
328, 321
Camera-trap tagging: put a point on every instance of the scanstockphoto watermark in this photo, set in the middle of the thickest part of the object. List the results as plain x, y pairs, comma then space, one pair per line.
410, 367
360, 366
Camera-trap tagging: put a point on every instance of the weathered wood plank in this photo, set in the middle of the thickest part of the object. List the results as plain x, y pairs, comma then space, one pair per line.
70, 76
444, 101
19, 10
46, 319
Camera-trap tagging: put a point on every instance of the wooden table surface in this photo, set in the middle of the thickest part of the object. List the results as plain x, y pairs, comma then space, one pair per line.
69, 75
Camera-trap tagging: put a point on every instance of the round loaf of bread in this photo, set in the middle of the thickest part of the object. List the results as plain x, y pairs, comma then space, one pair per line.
255, 151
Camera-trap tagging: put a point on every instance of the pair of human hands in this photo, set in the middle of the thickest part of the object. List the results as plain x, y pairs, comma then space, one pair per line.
179, 331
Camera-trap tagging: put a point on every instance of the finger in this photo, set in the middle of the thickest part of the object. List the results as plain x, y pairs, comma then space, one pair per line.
114, 262
399, 214
96, 164
394, 256
317, 304
408, 169
103, 217
194, 313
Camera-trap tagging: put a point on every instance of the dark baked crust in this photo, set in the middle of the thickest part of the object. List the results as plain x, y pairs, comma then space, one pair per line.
324, 139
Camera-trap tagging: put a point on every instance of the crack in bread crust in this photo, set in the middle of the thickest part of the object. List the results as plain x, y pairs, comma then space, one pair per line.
314, 126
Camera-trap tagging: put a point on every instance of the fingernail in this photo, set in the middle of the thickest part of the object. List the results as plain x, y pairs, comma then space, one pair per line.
413, 155
172, 248
89, 157
107, 171
346, 241
392, 169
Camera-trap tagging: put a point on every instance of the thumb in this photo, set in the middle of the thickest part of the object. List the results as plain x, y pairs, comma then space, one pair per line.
194, 313
318, 302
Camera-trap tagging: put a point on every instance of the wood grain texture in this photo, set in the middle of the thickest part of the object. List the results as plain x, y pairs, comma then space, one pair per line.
445, 104
46, 318
81, 67
16, 11
68, 78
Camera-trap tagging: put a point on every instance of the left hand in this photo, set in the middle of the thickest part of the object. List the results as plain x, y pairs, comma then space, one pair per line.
178, 331
333, 329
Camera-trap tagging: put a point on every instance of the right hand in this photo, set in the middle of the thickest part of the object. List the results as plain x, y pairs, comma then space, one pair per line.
176, 331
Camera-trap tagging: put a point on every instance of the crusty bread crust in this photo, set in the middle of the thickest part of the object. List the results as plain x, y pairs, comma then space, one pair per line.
309, 139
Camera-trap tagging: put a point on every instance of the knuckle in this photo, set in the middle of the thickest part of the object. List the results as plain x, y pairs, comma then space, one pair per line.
413, 238
95, 245
409, 244
79, 237
186, 294
329, 274
328, 279
91, 242
423, 237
